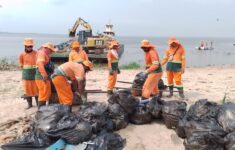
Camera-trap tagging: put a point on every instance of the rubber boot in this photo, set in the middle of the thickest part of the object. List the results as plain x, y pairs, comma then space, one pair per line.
36, 100
29, 101
171, 91
181, 93
41, 103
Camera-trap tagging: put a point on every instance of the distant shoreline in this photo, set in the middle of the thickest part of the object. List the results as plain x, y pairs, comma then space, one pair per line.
122, 36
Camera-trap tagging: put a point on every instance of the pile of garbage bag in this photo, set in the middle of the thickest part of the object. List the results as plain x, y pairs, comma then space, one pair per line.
208, 125
90, 122
205, 126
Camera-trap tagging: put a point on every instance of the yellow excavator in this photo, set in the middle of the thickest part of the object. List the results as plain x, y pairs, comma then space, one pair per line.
96, 46
78, 22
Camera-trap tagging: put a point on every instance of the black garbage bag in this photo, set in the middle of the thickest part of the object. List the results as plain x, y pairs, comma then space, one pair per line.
118, 116
204, 141
107, 141
47, 117
97, 115
180, 129
67, 122
34, 140
138, 84
188, 126
155, 107
230, 141
141, 116
125, 99
172, 112
81, 132
140, 78
161, 85
139, 81
226, 117
201, 129
204, 109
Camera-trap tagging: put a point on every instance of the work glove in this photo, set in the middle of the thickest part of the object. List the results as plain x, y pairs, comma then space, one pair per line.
111, 72
84, 99
118, 71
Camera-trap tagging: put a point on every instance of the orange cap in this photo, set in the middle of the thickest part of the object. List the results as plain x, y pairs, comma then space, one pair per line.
28, 42
50, 46
75, 44
88, 64
173, 40
146, 43
113, 43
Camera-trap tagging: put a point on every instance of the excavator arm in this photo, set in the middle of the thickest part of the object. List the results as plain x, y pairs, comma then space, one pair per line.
78, 22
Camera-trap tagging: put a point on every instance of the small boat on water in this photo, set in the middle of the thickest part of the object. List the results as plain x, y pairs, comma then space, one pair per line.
204, 46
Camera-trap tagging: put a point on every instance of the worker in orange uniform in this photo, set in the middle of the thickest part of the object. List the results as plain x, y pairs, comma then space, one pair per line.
27, 61
113, 58
175, 59
43, 72
153, 70
65, 75
77, 54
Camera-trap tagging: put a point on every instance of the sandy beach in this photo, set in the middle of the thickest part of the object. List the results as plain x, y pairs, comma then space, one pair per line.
211, 82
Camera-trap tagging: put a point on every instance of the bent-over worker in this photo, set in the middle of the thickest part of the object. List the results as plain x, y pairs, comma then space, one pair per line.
153, 70
65, 75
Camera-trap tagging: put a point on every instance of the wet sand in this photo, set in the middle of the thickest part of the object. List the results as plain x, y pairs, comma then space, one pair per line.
210, 82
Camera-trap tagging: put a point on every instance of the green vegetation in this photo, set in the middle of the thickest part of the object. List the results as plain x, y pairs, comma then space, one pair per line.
132, 65
8, 64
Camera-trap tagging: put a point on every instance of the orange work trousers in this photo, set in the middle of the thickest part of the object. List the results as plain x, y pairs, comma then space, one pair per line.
63, 89
174, 76
44, 90
30, 87
112, 80
151, 85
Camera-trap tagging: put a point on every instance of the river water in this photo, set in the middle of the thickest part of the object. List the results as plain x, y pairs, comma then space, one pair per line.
11, 44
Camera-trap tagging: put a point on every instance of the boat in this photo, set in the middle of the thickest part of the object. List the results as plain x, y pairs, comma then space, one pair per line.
96, 46
204, 46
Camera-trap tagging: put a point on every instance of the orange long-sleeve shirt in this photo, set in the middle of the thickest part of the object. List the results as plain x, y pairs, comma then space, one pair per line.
27, 60
179, 56
73, 70
80, 56
152, 60
113, 58
41, 61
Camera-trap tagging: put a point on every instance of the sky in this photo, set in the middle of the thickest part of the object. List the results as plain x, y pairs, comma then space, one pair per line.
185, 18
